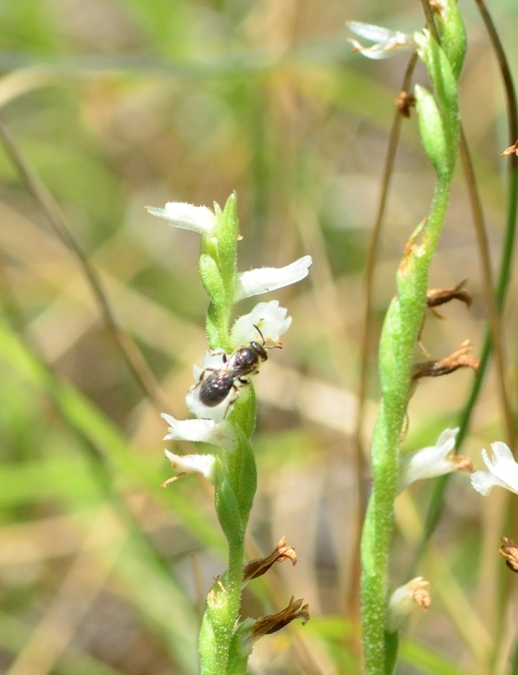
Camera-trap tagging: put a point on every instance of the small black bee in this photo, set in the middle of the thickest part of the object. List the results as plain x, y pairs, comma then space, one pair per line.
215, 387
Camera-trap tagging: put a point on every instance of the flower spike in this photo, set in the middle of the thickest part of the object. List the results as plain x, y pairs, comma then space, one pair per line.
236, 354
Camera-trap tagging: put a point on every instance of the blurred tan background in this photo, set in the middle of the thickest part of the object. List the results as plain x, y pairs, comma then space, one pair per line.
117, 104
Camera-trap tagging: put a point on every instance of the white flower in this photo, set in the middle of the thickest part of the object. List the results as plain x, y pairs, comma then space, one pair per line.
256, 282
272, 321
430, 462
199, 219
203, 464
388, 42
269, 317
212, 361
503, 470
405, 599
200, 430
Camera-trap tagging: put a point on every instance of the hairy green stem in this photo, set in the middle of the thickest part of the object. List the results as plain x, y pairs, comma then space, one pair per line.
439, 129
398, 340
235, 471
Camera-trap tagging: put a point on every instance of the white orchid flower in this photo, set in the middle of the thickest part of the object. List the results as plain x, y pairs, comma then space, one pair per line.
503, 470
405, 599
388, 42
202, 220
199, 219
265, 279
269, 317
200, 430
212, 362
272, 322
203, 464
433, 461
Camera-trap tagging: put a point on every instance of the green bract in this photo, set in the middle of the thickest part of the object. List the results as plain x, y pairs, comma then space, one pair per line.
218, 269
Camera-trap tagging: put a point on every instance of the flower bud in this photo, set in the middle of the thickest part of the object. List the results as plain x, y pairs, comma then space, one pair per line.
405, 599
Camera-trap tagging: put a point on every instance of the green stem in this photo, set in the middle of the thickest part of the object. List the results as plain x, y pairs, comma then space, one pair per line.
236, 482
398, 340
235, 471
220, 615
235, 489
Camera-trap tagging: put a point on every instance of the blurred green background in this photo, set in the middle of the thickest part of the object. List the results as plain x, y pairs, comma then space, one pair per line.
117, 104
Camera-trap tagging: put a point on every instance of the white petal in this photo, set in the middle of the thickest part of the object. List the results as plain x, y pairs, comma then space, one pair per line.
428, 462
269, 317
388, 42
384, 50
256, 282
446, 441
215, 414
212, 360
502, 465
503, 470
200, 430
405, 599
371, 32
203, 464
186, 216
484, 482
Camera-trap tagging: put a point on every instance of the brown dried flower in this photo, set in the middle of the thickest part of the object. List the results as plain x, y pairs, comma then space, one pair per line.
404, 102
510, 150
282, 552
509, 551
274, 622
459, 359
440, 296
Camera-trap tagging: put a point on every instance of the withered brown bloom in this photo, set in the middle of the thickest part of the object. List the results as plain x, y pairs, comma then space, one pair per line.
274, 622
440, 296
459, 359
510, 150
404, 102
509, 551
282, 552
437, 7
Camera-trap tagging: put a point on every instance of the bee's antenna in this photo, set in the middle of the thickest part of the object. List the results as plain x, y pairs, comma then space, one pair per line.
277, 343
262, 336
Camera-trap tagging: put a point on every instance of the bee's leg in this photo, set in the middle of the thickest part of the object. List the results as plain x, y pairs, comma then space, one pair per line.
219, 352
203, 376
233, 399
